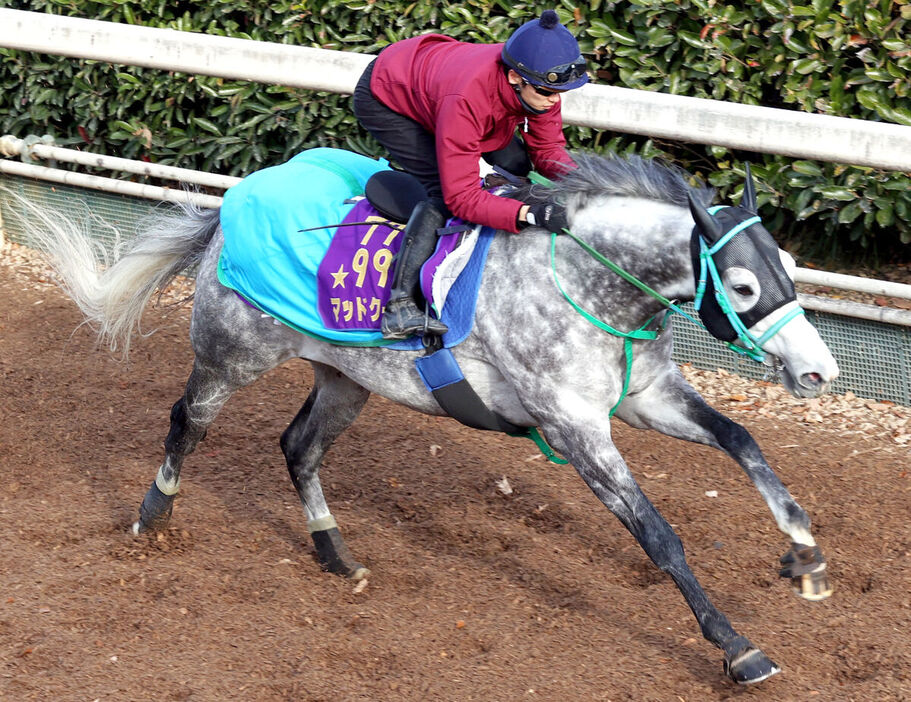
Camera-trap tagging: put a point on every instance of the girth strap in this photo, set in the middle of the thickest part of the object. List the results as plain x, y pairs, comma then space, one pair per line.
443, 377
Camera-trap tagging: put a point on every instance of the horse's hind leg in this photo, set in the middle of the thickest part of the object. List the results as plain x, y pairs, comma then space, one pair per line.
206, 392
333, 404
674, 408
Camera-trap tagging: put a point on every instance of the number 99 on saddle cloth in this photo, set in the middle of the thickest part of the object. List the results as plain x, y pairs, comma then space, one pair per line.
332, 281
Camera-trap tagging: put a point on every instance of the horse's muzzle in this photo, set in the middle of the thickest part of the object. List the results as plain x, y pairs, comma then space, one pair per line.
807, 385
813, 384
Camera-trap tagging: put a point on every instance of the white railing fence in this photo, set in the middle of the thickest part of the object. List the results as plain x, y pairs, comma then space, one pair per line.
749, 127
777, 131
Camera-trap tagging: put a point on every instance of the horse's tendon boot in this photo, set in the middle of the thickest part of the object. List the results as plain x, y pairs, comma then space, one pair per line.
806, 568
334, 556
155, 511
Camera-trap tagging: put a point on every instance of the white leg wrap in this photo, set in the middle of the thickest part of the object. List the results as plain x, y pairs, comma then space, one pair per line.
167, 487
321, 524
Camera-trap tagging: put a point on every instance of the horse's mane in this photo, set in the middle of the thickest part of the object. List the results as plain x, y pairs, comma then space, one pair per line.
615, 175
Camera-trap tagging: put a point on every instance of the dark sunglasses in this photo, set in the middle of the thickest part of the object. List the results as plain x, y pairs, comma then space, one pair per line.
544, 92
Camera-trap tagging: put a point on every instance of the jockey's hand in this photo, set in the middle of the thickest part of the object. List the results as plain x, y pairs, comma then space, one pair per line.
549, 215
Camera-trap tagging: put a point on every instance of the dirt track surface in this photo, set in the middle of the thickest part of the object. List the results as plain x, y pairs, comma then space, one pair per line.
474, 594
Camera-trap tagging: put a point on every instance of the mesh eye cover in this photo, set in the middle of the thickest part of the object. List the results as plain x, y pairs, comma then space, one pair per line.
752, 248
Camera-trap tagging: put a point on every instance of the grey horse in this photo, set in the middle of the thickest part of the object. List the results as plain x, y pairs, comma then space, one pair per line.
532, 357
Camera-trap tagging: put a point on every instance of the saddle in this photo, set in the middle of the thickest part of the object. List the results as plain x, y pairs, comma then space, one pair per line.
283, 255
394, 194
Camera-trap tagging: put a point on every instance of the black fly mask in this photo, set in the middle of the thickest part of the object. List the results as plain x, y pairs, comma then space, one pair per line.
726, 239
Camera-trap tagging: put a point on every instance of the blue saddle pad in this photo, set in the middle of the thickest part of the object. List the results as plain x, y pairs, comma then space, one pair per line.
331, 282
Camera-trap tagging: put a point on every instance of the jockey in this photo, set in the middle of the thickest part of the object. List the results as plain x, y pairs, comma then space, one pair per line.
438, 105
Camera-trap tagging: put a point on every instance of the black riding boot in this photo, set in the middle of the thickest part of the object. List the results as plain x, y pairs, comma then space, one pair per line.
402, 317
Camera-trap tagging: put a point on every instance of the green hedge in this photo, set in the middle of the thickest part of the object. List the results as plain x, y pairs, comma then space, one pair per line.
848, 58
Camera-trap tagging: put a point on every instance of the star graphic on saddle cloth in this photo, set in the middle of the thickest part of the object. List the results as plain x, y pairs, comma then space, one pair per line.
338, 278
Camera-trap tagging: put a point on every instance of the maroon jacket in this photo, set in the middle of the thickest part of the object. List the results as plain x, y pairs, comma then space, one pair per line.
459, 93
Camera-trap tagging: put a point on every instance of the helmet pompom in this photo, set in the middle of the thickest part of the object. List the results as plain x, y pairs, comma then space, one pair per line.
549, 19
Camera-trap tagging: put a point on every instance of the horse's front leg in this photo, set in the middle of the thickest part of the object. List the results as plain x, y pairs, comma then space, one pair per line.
333, 404
599, 463
671, 406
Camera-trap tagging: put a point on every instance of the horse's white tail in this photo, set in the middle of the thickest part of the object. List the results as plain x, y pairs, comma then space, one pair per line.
112, 290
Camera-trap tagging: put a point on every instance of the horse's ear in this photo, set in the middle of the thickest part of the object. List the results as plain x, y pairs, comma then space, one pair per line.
748, 201
710, 229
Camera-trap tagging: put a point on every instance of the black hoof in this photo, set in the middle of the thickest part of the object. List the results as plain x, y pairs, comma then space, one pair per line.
334, 556
155, 511
806, 568
813, 586
749, 667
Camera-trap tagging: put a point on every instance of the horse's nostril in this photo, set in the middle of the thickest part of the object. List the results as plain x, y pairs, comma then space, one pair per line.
812, 380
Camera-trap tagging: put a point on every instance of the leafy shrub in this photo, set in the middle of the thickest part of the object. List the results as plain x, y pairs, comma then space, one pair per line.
847, 58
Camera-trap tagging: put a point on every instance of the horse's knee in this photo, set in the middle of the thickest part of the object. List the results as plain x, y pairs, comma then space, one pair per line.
663, 546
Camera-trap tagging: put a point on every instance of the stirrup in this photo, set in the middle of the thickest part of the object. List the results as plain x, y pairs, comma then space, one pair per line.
432, 325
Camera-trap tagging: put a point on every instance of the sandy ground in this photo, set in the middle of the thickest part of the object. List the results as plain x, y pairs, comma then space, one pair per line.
474, 594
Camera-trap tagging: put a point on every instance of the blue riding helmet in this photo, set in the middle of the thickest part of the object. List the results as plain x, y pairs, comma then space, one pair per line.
544, 53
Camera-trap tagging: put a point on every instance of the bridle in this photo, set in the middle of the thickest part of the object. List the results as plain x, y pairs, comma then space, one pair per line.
749, 344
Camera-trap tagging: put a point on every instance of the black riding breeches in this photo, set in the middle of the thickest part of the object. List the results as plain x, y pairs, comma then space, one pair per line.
407, 142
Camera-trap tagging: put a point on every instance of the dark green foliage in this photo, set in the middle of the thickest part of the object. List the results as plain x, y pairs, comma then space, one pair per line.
847, 58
